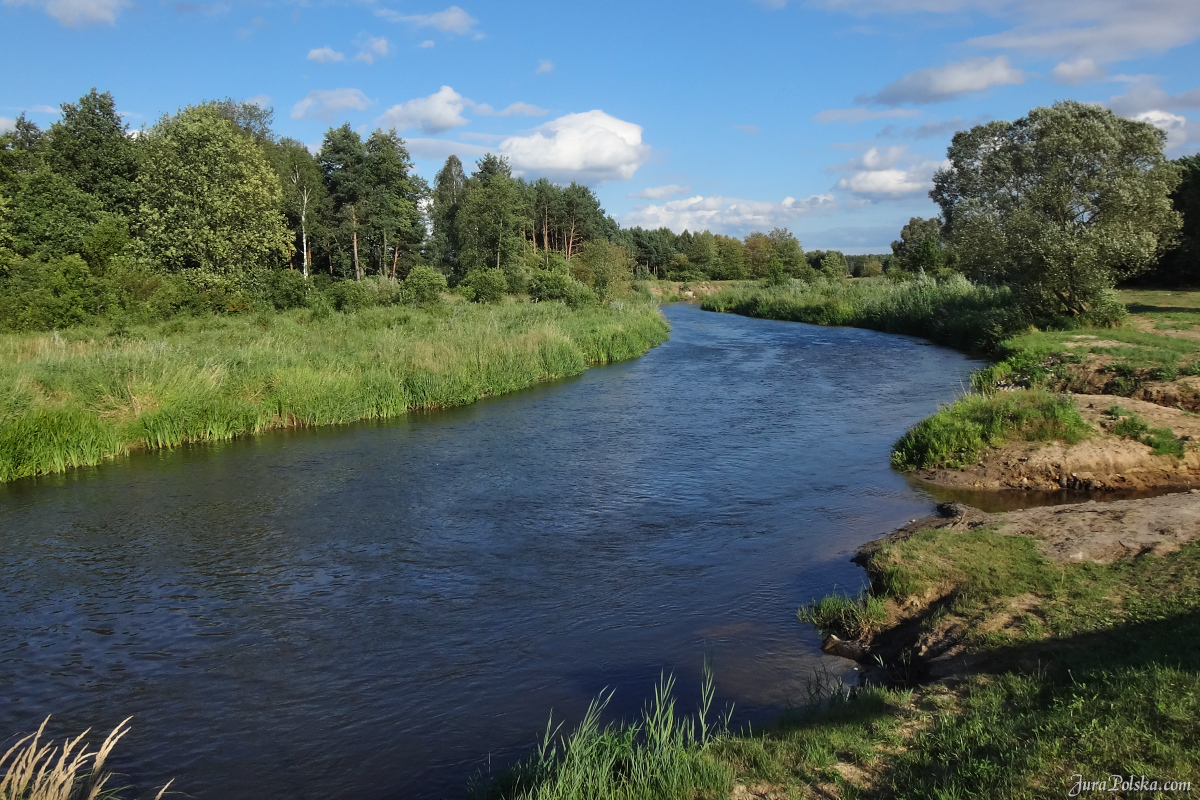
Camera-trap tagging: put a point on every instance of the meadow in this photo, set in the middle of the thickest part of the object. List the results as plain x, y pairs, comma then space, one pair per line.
88, 394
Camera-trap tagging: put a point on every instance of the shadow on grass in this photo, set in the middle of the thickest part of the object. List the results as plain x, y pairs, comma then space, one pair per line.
1141, 308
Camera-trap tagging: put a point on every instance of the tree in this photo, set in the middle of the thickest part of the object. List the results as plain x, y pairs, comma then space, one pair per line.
1060, 204
491, 219
343, 162
786, 247
391, 200
20, 150
449, 186
913, 237
833, 264
304, 195
1181, 265
760, 249
208, 198
610, 265
91, 146
51, 216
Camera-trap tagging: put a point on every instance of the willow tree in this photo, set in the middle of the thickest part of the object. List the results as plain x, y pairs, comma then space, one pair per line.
208, 198
1060, 205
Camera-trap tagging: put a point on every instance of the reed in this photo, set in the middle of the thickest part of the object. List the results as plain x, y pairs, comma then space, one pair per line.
37, 770
83, 396
953, 312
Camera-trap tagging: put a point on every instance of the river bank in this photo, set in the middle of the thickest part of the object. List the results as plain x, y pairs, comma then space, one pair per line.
82, 396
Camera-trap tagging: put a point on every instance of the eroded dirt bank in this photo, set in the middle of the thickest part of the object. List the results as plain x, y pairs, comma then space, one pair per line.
1102, 462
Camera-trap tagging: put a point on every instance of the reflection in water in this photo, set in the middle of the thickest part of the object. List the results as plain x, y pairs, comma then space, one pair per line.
371, 611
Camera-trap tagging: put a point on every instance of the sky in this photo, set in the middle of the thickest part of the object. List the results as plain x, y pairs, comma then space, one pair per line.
827, 117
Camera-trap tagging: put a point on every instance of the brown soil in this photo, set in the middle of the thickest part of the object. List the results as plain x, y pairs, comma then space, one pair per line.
1103, 462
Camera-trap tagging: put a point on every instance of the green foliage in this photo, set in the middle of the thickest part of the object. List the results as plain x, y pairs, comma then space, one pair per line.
609, 266
90, 147
58, 293
208, 198
486, 285
547, 284
847, 617
664, 755
957, 433
1059, 205
51, 217
1162, 440
919, 248
834, 265
954, 312
423, 286
82, 397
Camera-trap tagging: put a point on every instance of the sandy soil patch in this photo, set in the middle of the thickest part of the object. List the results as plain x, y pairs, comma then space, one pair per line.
1104, 462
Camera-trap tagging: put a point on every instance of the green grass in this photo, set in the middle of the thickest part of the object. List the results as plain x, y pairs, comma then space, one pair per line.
847, 617
1096, 672
953, 312
957, 433
83, 396
661, 757
1163, 440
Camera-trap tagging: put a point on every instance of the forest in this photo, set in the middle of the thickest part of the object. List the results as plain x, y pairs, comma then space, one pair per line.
209, 211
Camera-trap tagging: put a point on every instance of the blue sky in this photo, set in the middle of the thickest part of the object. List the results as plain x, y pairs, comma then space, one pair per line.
827, 116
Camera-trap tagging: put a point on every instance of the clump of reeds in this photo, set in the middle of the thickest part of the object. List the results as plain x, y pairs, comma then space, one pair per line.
37, 770
664, 755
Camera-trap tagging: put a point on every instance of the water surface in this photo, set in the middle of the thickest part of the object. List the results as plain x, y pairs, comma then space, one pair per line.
376, 610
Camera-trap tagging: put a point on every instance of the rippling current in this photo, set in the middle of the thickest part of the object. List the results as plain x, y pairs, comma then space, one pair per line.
383, 610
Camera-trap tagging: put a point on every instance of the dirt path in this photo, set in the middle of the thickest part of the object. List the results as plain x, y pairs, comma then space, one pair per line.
1103, 462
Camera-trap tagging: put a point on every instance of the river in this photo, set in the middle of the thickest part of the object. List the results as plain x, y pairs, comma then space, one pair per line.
381, 610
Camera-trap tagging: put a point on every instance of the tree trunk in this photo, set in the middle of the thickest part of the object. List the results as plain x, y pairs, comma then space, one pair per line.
395, 260
358, 276
304, 228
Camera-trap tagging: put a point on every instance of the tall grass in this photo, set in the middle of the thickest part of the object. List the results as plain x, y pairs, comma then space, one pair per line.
82, 396
954, 312
957, 433
664, 756
34, 770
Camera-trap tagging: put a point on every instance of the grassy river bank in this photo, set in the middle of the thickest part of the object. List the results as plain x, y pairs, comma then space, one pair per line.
83, 396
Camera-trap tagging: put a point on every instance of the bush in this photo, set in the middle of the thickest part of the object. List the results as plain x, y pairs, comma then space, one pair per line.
488, 285
285, 289
423, 286
554, 285
350, 296
39, 295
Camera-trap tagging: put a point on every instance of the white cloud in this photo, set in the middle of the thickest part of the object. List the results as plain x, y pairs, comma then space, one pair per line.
260, 100
591, 147
516, 109
426, 43
1144, 94
747, 129
937, 84
371, 48
543, 67
452, 20
325, 55
1175, 126
77, 13
932, 128
661, 192
1077, 71
7, 124
726, 214
886, 173
1104, 30
438, 112
322, 104
853, 116
45, 109
489, 138
441, 149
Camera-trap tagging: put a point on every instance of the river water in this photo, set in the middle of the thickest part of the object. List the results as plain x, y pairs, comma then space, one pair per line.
382, 610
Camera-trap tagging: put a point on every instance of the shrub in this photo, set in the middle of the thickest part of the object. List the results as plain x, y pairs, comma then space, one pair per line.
424, 285
349, 296
39, 295
488, 285
285, 289
555, 285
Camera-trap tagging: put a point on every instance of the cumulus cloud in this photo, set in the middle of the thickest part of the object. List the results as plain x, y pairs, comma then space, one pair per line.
452, 20
325, 55
438, 112
726, 214
886, 173
77, 13
591, 147
544, 67
947, 82
322, 104
1175, 126
1077, 71
853, 116
7, 124
661, 192
371, 48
